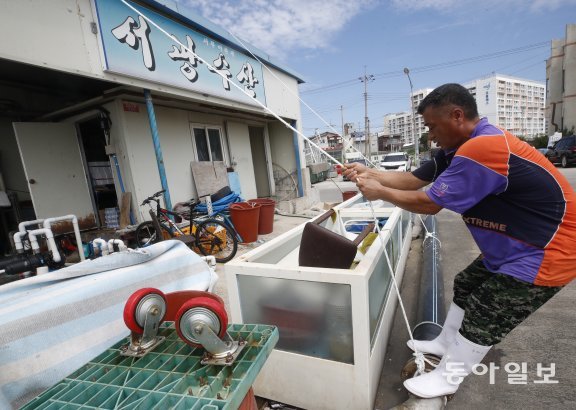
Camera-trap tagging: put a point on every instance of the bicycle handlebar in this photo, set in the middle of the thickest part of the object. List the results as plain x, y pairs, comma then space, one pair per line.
152, 198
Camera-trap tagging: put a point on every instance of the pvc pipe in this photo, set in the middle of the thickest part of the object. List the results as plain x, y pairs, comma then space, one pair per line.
430, 314
119, 242
22, 225
22, 229
18, 241
10, 259
157, 148
49, 221
49, 238
100, 244
42, 269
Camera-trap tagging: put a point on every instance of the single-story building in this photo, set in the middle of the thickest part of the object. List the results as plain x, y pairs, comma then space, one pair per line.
104, 97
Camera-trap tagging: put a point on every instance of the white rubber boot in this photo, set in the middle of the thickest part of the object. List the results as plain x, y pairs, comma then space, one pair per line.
458, 362
439, 345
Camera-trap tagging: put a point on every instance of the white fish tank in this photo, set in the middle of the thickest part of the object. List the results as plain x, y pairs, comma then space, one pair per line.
334, 323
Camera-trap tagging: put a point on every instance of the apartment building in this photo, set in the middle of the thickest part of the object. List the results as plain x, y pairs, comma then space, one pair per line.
400, 124
516, 104
416, 98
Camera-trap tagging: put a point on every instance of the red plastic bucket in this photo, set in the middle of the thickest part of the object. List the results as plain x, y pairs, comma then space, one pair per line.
346, 195
245, 217
266, 221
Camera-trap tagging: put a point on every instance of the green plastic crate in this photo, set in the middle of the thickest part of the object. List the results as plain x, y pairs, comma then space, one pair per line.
169, 377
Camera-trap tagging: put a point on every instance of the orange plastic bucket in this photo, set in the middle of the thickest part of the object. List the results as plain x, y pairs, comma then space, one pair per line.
245, 217
266, 221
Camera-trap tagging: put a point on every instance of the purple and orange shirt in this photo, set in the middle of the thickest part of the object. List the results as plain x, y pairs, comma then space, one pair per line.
520, 209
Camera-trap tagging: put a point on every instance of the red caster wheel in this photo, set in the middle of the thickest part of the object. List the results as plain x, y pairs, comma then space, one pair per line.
175, 301
205, 310
139, 304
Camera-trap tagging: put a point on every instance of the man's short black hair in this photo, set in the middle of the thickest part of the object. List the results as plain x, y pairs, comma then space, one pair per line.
451, 94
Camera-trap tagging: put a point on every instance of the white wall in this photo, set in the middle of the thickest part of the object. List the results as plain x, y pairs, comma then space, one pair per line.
65, 24
177, 150
282, 149
174, 135
281, 94
282, 145
490, 109
239, 139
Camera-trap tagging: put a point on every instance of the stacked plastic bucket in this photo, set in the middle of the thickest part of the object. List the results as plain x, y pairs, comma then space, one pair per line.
253, 217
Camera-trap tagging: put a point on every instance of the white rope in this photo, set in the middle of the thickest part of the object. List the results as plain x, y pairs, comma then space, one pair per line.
419, 356
297, 95
428, 233
420, 360
346, 142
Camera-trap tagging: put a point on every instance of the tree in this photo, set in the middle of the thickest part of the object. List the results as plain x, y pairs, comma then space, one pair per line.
540, 141
424, 142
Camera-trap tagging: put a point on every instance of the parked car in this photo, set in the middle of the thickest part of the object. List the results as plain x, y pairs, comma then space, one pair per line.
543, 151
563, 152
396, 161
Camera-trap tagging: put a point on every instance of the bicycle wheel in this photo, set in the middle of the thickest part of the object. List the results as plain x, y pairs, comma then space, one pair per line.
146, 234
216, 239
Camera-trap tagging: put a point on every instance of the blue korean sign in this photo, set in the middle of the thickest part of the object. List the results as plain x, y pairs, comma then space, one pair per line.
134, 47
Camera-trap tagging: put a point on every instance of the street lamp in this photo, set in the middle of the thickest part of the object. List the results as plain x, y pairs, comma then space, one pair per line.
415, 140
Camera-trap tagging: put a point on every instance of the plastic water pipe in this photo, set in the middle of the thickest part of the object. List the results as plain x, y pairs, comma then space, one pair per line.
119, 242
50, 221
49, 238
18, 241
430, 314
22, 225
100, 244
22, 229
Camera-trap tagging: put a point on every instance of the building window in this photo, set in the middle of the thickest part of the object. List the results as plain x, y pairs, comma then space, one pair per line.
207, 143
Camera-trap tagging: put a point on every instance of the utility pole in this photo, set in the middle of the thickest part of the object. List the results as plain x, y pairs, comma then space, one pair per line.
415, 139
343, 159
365, 80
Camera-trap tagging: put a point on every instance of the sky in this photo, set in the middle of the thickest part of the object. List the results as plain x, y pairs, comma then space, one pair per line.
333, 44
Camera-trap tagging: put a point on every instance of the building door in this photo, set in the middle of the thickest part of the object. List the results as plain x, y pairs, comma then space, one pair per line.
54, 170
259, 161
99, 171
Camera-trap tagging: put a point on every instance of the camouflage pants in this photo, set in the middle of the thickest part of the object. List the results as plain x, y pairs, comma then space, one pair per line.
495, 303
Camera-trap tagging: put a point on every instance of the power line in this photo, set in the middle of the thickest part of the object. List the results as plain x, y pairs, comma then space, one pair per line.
438, 66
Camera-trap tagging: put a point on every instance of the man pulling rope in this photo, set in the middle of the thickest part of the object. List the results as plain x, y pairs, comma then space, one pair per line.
520, 210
